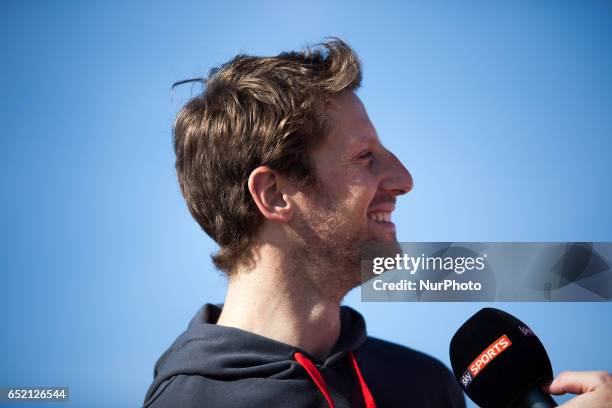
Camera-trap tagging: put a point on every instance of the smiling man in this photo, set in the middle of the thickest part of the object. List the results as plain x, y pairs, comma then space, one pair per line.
281, 166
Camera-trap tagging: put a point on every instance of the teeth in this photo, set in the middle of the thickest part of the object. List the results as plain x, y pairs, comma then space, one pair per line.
381, 216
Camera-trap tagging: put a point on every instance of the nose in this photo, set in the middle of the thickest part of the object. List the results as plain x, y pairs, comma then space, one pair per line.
397, 180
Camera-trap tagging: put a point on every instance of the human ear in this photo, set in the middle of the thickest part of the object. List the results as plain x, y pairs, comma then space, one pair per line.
265, 187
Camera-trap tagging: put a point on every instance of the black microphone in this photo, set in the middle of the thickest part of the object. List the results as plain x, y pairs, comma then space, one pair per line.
500, 362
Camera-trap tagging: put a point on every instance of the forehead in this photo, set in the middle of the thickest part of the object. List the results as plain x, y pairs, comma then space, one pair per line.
349, 122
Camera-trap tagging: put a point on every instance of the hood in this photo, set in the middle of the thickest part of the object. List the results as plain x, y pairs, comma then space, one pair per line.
227, 353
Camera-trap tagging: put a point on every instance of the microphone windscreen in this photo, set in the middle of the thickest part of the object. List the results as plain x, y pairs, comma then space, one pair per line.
497, 358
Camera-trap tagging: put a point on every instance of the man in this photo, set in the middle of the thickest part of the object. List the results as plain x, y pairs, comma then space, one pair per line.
280, 165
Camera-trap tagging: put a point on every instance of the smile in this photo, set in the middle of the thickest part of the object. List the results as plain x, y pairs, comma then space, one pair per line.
380, 216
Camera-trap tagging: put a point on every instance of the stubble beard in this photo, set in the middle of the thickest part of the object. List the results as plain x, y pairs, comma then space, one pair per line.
328, 252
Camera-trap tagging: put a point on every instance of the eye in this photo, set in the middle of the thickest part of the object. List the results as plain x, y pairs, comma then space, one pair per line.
367, 155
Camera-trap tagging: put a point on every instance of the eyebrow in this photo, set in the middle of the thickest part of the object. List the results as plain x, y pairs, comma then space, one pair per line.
364, 139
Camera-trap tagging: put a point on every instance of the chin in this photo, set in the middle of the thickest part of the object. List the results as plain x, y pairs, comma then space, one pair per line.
383, 238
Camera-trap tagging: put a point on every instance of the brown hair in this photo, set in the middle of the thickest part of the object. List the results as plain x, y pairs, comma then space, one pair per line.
254, 111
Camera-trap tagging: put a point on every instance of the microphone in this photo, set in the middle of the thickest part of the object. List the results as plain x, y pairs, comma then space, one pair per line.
500, 362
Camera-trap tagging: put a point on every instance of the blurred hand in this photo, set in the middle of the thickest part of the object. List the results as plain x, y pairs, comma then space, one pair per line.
594, 387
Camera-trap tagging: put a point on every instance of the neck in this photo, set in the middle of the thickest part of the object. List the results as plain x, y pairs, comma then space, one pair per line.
276, 299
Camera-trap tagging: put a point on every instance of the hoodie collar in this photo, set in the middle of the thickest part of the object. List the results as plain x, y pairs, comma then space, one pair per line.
227, 354
352, 333
208, 349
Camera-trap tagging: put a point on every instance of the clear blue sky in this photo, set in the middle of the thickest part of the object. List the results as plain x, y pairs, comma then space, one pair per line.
502, 111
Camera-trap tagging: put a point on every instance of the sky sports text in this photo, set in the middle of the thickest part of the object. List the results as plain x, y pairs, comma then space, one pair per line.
490, 353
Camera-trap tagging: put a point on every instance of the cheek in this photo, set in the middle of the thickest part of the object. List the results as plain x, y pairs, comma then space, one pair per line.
352, 191
360, 197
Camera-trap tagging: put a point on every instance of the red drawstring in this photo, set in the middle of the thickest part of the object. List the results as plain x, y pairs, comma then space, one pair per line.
316, 376
367, 395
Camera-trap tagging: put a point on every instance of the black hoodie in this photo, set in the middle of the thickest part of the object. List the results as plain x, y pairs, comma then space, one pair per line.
211, 366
